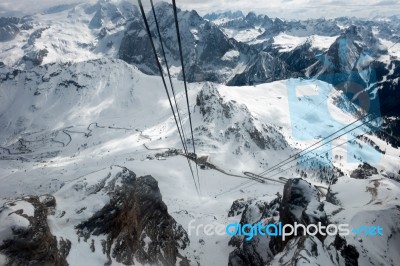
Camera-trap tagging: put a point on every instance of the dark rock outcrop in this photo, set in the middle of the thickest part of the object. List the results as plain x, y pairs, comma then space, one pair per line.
30, 241
255, 251
348, 252
134, 48
37, 34
300, 204
134, 226
306, 250
364, 171
331, 197
137, 224
209, 55
8, 28
263, 67
35, 57
237, 207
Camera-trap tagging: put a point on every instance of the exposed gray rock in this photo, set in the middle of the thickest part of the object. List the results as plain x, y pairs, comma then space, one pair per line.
262, 67
255, 251
237, 207
307, 250
364, 171
331, 197
36, 35
136, 48
8, 28
137, 224
31, 242
35, 58
209, 55
348, 252
300, 204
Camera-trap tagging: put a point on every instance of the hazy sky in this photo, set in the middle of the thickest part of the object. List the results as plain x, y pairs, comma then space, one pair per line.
274, 8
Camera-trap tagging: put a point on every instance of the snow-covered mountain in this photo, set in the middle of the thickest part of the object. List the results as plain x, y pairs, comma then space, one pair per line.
117, 31
342, 50
65, 125
91, 164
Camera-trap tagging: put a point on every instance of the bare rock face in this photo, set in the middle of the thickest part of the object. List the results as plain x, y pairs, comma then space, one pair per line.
25, 237
364, 171
300, 204
255, 251
348, 252
137, 225
309, 250
134, 48
35, 58
237, 207
8, 28
305, 250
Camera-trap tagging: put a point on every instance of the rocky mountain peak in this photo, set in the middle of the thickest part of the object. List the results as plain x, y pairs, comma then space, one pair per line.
136, 223
8, 28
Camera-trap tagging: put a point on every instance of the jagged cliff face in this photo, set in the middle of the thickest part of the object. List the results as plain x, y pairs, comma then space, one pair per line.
117, 30
229, 122
136, 223
209, 54
26, 238
257, 250
8, 28
299, 204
